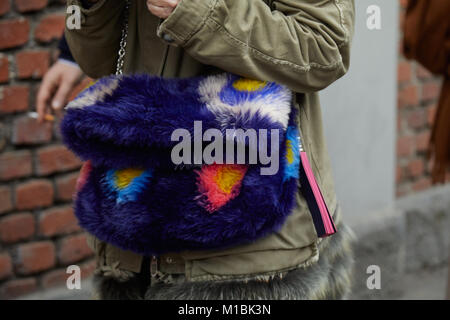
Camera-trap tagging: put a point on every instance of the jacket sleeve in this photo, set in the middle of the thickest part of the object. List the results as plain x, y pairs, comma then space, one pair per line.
99, 35
304, 45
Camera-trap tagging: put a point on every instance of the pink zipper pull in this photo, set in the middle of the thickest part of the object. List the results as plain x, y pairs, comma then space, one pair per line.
323, 221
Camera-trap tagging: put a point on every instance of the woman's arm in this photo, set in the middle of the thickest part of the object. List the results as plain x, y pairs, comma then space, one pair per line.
302, 44
99, 36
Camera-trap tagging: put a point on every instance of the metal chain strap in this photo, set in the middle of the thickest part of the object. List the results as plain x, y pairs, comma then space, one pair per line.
123, 40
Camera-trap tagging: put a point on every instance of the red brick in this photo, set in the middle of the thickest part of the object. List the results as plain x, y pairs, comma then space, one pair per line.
416, 168
14, 33
34, 194
399, 174
59, 277
400, 124
56, 158
14, 99
5, 199
57, 221
417, 119
428, 166
405, 146
65, 186
4, 68
32, 64
16, 227
50, 28
422, 184
54, 278
30, 5
404, 72
423, 141
431, 114
27, 130
5, 6
423, 73
408, 96
4, 135
401, 192
5, 266
431, 91
74, 249
19, 287
35, 257
15, 164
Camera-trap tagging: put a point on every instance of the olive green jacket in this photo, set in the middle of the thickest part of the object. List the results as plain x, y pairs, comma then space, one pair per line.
303, 44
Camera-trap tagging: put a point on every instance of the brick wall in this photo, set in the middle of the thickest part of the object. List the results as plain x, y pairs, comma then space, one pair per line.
418, 94
39, 235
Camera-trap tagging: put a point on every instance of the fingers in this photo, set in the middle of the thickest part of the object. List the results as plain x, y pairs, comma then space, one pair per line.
60, 78
161, 8
61, 95
163, 3
161, 12
46, 89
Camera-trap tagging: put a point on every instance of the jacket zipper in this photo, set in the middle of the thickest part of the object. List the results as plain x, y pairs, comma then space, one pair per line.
154, 259
163, 65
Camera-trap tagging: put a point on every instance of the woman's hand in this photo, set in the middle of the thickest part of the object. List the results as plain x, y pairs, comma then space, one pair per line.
56, 86
162, 8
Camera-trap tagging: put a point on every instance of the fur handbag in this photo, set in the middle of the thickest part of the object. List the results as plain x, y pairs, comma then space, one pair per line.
132, 194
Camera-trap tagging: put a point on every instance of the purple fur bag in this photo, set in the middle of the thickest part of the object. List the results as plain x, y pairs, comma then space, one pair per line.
132, 194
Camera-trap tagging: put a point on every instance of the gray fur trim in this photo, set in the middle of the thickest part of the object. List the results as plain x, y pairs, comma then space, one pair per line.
108, 288
328, 278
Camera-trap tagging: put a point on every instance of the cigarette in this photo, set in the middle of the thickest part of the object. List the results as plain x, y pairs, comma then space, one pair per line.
47, 117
